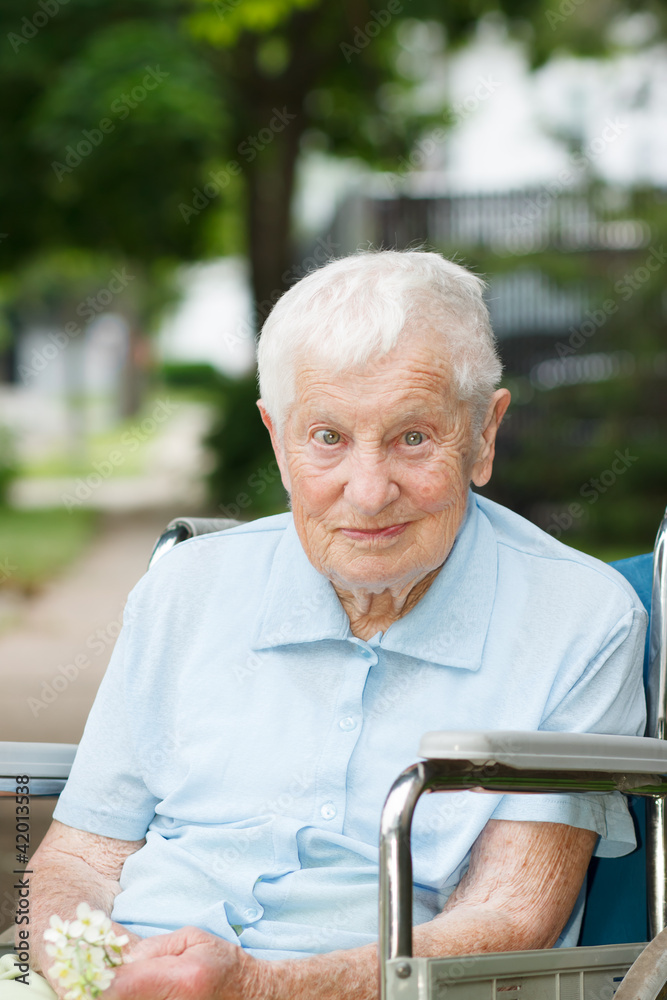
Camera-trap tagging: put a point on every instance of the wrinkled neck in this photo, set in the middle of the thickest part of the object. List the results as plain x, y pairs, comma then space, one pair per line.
371, 612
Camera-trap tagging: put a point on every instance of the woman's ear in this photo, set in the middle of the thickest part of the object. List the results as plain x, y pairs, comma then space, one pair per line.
483, 465
276, 442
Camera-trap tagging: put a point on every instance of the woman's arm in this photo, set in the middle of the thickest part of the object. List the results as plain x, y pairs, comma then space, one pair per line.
523, 880
72, 867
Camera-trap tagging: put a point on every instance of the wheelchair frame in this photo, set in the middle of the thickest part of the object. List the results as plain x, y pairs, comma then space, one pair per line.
494, 767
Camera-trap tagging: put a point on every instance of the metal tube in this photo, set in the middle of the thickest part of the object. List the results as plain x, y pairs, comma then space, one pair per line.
656, 873
395, 916
167, 540
396, 867
657, 672
656, 828
645, 980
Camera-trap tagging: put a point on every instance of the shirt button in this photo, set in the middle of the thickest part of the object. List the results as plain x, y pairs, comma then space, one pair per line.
347, 724
328, 810
367, 654
251, 913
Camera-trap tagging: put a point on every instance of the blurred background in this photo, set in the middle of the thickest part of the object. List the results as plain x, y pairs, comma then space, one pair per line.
170, 167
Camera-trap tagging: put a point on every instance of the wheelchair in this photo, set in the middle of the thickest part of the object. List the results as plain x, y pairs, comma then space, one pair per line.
612, 958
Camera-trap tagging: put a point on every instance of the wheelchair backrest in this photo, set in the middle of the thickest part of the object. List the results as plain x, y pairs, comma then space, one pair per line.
616, 899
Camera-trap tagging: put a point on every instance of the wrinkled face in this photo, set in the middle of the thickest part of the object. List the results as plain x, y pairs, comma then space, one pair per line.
377, 462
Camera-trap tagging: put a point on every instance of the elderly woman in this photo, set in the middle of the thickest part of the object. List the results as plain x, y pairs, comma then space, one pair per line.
272, 680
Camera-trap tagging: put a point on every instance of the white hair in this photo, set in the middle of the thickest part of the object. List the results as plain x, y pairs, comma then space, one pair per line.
357, 308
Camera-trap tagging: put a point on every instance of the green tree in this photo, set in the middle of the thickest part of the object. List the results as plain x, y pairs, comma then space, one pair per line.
160, 130
240, 86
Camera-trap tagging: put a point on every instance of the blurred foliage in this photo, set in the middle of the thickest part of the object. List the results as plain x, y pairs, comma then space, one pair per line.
185, 87
65, 285
581, 463
585, 459
199, 379
36, 544
65, 291
244, 482
8, 463
115, 116
128, 439
64, 181
146, 132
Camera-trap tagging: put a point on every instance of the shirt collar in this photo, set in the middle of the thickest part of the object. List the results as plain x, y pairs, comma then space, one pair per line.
448, 626
300, 604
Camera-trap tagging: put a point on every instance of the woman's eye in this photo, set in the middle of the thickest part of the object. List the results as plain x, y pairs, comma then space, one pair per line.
414, 438
327, 437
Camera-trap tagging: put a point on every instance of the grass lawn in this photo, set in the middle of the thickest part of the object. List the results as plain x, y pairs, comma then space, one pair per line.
37, 544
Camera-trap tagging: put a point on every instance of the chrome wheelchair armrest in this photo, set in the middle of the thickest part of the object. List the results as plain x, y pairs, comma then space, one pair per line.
501, 762
550, 751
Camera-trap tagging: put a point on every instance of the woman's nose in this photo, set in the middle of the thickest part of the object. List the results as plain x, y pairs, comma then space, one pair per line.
370, 486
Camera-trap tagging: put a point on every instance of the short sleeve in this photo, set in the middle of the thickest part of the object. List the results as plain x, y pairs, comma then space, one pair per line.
105, 793
606, 697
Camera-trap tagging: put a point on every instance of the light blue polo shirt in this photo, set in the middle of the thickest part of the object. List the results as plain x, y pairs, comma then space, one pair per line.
252, 739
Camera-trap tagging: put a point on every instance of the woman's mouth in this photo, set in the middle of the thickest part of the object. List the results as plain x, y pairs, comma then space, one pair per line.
371, 534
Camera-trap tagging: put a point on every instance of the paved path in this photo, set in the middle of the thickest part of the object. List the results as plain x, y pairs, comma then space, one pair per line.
54, 654
52, 662
46, 691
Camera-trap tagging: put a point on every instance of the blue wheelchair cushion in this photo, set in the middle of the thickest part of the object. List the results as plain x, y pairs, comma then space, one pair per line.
616, 903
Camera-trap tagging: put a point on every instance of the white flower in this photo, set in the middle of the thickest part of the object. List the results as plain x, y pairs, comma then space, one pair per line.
64, 973
78, 992
85, 950
55, 937
58, 925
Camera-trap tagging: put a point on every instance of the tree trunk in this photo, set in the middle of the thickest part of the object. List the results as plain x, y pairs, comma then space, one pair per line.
270, 180
273, 107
